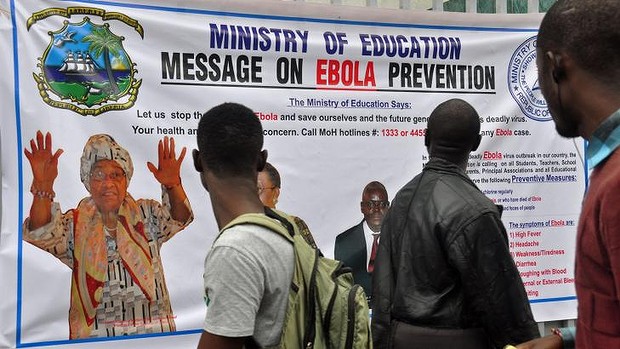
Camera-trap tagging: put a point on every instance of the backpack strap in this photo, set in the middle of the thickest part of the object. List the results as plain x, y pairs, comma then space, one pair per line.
310, 330
285, 222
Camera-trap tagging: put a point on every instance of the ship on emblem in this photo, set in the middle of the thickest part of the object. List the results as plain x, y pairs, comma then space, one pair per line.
86, 69
79, 64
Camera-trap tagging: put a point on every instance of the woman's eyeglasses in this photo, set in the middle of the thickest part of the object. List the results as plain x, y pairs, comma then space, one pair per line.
100, 176
261, 189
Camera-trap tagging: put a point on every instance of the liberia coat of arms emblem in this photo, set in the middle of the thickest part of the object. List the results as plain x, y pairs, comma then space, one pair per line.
85, 67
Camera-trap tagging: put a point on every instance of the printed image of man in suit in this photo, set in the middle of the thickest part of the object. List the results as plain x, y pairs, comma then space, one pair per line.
354, 247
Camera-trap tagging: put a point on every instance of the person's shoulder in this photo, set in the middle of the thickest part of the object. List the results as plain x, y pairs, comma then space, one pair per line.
406, 192
457, 199
459, 186
609, 170
250, 238
145, 204
300, 222
241, 232
349, 231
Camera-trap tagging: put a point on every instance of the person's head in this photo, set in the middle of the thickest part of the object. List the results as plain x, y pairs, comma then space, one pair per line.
230, 139
105, 170
374, 205
269, 185
577, 54
453, 131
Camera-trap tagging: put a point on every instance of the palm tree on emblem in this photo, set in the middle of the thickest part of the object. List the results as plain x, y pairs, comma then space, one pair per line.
103, 42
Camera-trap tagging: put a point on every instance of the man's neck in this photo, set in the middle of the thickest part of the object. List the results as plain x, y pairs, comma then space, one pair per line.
458, 160
368, 230
591, 105
232, 198
595, 117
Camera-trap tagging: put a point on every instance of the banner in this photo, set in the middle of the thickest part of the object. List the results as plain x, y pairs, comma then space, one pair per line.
344, 95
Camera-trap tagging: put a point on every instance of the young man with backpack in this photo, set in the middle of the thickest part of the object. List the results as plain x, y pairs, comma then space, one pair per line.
248, 269
264, 285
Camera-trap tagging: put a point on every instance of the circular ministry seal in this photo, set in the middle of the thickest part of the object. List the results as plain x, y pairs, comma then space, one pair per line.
523, 82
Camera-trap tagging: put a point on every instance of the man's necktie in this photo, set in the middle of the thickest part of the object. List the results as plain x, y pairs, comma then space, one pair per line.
373, 252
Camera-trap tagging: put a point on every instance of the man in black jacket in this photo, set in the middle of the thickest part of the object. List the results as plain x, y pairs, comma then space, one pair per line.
444, 277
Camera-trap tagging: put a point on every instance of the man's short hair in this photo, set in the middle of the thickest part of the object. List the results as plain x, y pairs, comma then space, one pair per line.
453, 127
274, 175
374, 185
230, 139
589, 31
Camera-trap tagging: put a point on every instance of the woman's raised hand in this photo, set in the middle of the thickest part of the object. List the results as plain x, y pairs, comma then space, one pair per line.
43, 162
168, 171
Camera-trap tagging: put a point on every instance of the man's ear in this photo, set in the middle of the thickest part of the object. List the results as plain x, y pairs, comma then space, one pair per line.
197, 161
262, 160
276, 193
556, 62
427, 139
476, 143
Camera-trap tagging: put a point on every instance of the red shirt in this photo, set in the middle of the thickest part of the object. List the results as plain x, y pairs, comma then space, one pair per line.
597, 266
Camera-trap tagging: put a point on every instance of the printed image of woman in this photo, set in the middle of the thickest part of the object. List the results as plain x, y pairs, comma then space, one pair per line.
111, 241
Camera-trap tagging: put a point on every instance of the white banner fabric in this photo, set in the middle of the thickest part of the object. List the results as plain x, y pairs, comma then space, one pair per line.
343, 94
